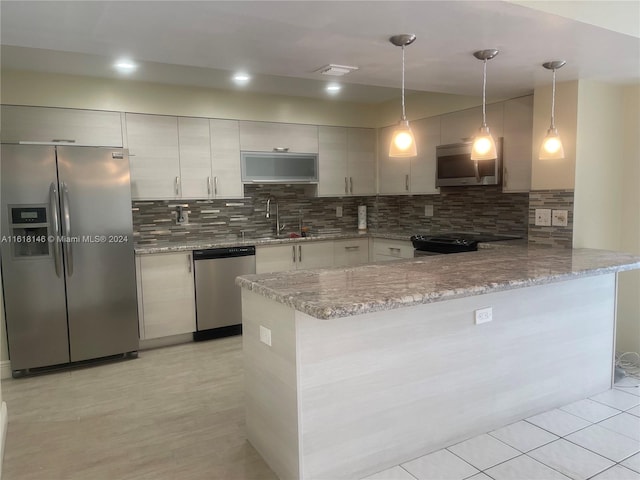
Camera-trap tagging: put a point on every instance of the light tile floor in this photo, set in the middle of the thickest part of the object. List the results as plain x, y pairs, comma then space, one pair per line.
596, 438
161, 418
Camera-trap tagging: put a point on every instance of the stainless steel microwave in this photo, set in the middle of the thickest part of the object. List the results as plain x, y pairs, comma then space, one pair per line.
454, 167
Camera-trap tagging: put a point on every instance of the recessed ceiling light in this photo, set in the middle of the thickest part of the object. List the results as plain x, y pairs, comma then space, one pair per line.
125, 66
241, 78
334, 88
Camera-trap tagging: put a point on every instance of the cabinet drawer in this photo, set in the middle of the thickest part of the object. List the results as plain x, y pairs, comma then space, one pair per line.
351, 252
392, 248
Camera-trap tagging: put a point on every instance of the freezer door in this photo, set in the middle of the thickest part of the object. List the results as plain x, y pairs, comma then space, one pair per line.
99, 261
34, 294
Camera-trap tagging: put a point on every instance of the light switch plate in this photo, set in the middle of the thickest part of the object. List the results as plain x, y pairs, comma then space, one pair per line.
428, 210
559, 218
338, 211
265, 335
543, 217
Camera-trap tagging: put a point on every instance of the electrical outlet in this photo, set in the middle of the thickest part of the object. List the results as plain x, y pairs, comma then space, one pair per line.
484, 315
339, 211
543, 217
559, 218
428, 210
265, 335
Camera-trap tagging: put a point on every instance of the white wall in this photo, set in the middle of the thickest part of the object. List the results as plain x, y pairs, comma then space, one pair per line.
607, 193
555, 174
628, 334
72, 91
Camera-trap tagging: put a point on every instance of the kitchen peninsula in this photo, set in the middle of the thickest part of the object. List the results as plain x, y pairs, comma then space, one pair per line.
349, 371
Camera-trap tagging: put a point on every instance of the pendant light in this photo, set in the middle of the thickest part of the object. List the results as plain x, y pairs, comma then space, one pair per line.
484, 146
403, 143
551, 148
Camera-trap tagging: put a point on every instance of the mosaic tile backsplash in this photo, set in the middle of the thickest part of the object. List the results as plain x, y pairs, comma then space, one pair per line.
478, 209
551, 236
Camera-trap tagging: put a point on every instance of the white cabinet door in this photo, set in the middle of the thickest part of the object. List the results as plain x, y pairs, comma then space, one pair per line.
42, 124
168, 294
314, 255
361, 161
462, 126
351, 252
276, 258
195, 157
332, 161
423, 166
393, 173
225, 158
154, 156
516, 150
384, 249
266, 136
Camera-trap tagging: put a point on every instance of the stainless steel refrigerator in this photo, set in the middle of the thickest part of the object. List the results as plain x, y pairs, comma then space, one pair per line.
68, 265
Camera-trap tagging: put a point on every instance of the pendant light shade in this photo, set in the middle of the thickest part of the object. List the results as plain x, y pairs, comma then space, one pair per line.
484, 145
403, 142
551, 148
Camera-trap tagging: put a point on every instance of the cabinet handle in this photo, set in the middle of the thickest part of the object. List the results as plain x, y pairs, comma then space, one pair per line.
215, 186
293, 248
300, 253
406, 182
281, 149
209, 186
351, 184
189, 262
346, 185
177, 185
354, 247
506, 176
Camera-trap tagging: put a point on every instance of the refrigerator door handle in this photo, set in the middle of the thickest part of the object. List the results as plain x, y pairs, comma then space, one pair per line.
55, 224
67, 229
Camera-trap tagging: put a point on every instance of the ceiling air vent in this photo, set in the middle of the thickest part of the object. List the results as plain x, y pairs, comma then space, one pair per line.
336, 70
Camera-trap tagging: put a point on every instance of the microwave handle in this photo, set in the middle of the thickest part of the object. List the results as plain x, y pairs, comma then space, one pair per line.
475, 165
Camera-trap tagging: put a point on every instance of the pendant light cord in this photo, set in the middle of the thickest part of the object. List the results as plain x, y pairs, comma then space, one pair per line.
553, 101
484, 90
404, 115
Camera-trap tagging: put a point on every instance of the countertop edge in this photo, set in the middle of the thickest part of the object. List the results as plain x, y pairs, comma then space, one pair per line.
345, 309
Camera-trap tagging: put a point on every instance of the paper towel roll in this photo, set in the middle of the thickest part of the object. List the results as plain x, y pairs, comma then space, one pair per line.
362, 217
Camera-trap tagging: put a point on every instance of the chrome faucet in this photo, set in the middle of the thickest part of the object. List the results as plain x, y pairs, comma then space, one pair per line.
279, 227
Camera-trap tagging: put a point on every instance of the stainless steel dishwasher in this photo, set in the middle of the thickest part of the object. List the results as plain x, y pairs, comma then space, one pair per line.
218, 304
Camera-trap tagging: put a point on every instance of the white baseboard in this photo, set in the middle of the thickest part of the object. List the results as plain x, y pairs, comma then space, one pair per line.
4, 420
5, 369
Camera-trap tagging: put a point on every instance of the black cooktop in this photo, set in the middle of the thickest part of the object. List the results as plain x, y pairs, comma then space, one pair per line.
455, 242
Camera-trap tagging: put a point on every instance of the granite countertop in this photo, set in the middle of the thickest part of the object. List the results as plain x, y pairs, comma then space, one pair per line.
341, 292
188, 245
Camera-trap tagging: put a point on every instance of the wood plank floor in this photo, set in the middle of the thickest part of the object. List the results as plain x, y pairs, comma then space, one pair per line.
174, 413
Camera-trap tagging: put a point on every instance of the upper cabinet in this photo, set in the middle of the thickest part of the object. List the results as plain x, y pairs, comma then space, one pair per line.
284, 137
195, 157
64, 125
226, 179
183, 157
462, 126
347, 161
412, 175
516, 150
154, 156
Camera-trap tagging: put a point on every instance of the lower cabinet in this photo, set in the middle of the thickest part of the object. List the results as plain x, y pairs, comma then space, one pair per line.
351, 252
296, 256
166, 294
387, 250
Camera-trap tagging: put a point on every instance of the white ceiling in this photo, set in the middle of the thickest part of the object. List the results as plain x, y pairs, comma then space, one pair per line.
283, 43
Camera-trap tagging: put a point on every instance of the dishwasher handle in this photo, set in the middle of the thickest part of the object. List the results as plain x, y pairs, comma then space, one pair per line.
213, 253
